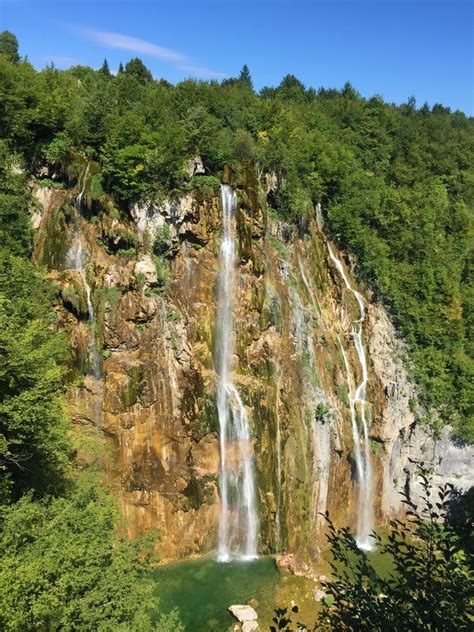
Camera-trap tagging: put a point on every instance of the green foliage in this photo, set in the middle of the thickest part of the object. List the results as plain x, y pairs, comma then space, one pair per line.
58, 149
9, 46
162, 269
15, 225
96, 186
47, 183
105, 70
34, 449
429, 588
279, 246
137, 69
245, 77
161, 243
63, 568
206, 185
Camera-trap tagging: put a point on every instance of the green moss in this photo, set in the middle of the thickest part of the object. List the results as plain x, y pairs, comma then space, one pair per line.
342, 393
74, 300
132, 392
376, 446
279, 246
172, 314
96, 186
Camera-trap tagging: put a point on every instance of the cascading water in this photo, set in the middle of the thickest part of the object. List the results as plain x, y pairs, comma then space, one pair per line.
238, 513
357, 404
278, 481
77, 261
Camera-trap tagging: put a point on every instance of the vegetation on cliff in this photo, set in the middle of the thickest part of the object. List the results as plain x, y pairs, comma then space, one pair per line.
64, 564
394, 181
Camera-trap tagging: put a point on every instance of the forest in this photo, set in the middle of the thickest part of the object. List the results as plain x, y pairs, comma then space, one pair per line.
396, 187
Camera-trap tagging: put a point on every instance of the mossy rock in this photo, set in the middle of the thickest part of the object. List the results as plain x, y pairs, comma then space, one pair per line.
73, 294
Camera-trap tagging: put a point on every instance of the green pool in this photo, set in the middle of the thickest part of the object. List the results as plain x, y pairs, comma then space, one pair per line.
203, 589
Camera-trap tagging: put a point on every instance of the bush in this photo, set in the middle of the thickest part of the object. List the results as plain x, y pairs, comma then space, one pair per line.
429, 586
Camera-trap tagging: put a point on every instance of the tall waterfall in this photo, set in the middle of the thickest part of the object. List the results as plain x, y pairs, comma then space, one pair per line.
357, 405
238, 513
77, 261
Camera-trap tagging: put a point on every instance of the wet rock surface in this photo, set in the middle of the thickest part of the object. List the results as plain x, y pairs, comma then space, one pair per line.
155, 402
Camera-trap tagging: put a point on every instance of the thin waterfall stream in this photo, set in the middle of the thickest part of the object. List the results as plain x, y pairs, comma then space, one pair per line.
76, 260
358, 404
238, 514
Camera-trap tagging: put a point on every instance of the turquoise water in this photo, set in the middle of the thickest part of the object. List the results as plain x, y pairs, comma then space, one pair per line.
203, 589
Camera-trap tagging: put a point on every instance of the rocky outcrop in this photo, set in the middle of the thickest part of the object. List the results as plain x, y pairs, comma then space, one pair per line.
155, 406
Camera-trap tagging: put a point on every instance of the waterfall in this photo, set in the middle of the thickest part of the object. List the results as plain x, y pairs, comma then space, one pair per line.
238, 514
320, 431
77, 261
357, 405
278, 482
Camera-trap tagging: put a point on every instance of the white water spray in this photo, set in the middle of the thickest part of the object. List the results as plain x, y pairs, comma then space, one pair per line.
238, 514
357, 405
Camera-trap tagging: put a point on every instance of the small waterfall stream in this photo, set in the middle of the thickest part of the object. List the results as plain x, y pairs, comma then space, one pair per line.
279, 476
357, 405
76, 260
238, 514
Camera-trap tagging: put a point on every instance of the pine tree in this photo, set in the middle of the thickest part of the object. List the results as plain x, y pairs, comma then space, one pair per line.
245, 77
105, 70
120, 68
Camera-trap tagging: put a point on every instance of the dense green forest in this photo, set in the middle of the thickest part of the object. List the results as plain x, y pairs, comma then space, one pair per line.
396, 187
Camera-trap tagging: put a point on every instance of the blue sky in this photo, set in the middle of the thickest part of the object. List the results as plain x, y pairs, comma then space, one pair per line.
396, 48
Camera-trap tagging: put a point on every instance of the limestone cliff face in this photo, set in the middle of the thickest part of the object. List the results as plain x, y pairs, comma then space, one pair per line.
154, 400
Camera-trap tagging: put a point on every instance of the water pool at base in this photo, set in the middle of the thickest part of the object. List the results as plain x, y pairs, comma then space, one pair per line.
203, 589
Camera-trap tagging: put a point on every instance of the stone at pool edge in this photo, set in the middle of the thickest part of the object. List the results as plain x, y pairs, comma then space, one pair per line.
244, 614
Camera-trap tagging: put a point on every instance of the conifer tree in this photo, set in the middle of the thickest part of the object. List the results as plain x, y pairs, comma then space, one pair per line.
105, 70
245, 77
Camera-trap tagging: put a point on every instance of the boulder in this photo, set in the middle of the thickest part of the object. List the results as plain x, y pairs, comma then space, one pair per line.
319, 595
243, 613
195, 167
147, 268
250, 626
287, 563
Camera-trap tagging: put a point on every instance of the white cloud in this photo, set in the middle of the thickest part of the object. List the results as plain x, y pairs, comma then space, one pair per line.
137, 45
200, 71
133, 44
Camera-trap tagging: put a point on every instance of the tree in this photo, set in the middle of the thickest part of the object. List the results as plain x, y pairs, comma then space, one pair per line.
245, 77
429, 586
15, 197
244, 146
34, 443
65, 568
105, 70
120, 68
9, 46
136, 68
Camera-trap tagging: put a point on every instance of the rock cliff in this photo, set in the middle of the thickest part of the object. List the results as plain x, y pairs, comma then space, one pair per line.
154, 401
